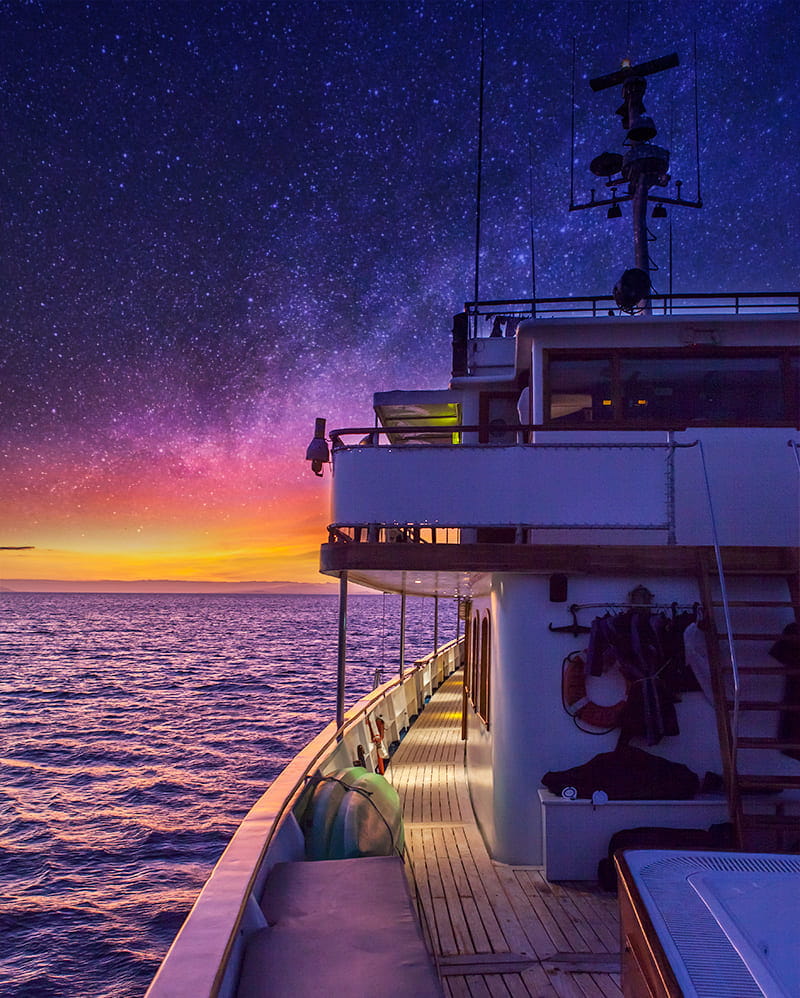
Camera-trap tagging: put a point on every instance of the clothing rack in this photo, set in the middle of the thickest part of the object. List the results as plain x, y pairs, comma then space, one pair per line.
636, 606
576, 629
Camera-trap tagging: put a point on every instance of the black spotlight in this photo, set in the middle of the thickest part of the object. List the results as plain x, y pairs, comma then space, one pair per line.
614, 211
631, 288
659, 211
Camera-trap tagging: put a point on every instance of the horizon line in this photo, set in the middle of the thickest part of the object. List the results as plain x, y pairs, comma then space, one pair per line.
283, 587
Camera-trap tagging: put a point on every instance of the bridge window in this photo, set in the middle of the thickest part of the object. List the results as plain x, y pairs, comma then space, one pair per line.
717, 387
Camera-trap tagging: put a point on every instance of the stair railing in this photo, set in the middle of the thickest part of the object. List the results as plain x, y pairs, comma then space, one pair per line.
726, 612
796, 448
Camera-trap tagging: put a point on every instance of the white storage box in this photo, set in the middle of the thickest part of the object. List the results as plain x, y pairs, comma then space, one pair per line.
576, 833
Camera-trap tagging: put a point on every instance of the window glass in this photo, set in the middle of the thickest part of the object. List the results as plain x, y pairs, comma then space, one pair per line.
717, 389
793, 393
580, 389
486, 664
479, 665
632, 386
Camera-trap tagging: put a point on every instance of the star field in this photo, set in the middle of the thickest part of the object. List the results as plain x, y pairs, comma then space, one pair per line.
221, 220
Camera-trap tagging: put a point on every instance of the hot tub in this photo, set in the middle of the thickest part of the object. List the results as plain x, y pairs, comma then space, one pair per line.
710, 924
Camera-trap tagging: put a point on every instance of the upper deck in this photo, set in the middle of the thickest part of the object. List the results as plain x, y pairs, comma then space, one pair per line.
676, 429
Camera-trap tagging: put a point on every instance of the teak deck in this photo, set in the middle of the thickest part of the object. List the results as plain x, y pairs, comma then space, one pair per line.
495, 930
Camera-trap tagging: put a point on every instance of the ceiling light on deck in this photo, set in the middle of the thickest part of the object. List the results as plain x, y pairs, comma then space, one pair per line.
614, 211
659, 211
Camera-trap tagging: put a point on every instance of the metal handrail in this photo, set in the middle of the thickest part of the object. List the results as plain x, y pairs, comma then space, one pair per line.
734, 726
796, 448
724, 302
371, 434
375, 432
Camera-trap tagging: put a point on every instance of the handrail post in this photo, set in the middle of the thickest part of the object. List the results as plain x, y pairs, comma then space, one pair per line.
402, 633
671, 538
342, 658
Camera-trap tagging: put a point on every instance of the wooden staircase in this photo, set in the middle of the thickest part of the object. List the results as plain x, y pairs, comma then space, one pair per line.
756, 733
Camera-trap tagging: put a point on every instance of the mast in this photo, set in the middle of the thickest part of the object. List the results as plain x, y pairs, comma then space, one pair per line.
643, 166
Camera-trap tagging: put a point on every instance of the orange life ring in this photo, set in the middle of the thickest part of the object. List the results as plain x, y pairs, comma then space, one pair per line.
578, 704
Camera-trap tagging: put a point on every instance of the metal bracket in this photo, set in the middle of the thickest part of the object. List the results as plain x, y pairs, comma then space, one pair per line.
574, 628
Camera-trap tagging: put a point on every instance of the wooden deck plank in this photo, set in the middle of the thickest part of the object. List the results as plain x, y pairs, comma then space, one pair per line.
589, 987
575, 940
501, 931
497, 915
497, 986
541, 927
577, 916
565, 985
537, 982
456, 987
475, 892
609, 985
601, 907
480, 939
528, 983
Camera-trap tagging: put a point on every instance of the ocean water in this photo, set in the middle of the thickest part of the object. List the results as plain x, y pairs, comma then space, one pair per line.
135, 733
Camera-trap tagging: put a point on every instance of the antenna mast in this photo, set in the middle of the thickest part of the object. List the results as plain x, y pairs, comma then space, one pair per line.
643, 166
480, 158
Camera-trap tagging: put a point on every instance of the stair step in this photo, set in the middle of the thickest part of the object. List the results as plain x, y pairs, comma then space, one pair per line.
771, 821
787, 604
771, 743
767, 670
766, 705
760, 636
782, 782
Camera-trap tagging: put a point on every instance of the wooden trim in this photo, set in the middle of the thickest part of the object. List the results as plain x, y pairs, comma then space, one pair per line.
643, 959
576, 559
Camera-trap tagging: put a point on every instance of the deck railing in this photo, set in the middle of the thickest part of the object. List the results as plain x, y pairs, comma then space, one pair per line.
595, 306
205, 958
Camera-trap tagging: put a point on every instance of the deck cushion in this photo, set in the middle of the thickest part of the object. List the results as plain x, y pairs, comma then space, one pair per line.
341, 927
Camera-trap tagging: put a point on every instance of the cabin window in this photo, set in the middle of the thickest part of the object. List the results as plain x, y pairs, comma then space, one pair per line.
723, 387
580, 389
485, 670
474, 657
478, 670
793, 387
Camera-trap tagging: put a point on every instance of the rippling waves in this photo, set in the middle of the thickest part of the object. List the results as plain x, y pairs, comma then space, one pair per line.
135, 733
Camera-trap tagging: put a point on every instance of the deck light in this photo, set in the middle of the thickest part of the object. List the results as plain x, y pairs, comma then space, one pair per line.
318, 452
659, 211
614, 211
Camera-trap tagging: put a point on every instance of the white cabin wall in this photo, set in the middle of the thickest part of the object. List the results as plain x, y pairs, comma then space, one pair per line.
530, 732
755, 488
481, 773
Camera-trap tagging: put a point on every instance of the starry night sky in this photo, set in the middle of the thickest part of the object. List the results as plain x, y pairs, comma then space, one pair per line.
221, 220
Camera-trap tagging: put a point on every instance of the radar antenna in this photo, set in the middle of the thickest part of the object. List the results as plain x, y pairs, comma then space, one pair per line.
642, 167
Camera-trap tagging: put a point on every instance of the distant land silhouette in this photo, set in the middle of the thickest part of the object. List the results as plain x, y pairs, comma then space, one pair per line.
170, 586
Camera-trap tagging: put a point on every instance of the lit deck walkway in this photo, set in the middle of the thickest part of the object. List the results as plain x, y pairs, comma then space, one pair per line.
497, 930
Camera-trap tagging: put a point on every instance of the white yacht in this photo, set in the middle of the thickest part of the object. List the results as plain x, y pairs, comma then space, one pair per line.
609, 486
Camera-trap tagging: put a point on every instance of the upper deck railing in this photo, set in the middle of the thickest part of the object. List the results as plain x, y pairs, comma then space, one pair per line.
595, 306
